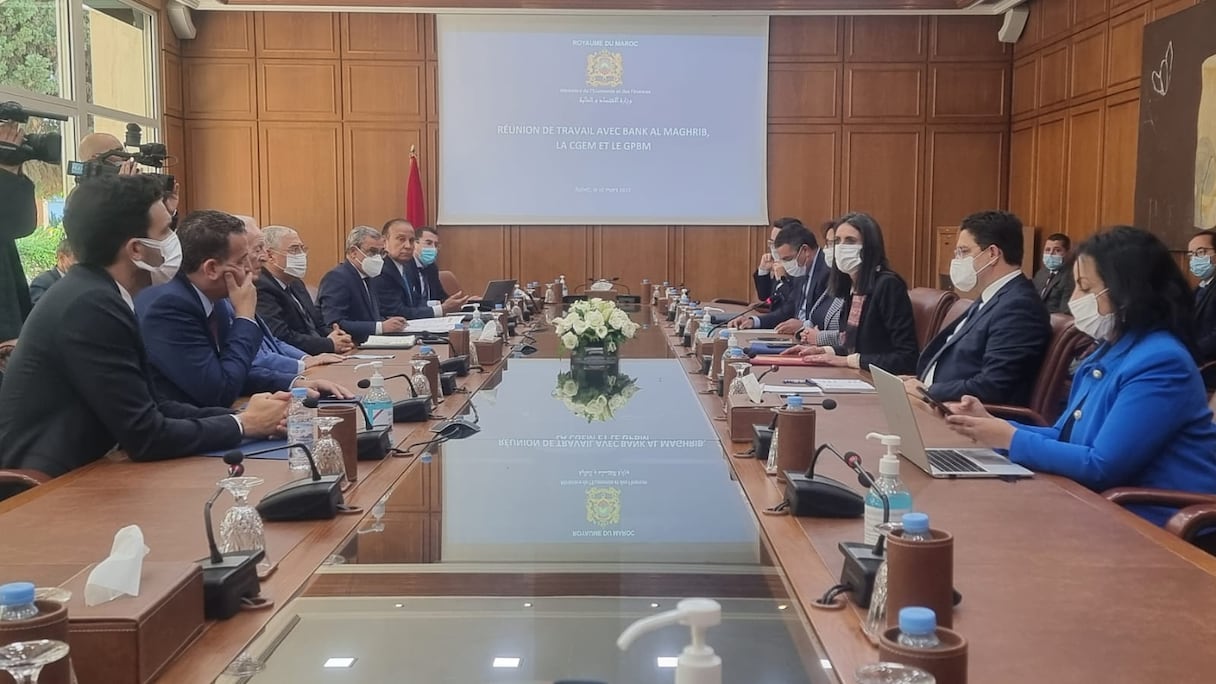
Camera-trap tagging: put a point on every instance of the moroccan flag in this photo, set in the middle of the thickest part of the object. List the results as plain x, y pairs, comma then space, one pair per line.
415, 202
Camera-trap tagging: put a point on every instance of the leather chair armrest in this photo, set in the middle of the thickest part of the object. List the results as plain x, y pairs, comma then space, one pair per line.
1125, 496
1019, 413
23, 476
1190, 521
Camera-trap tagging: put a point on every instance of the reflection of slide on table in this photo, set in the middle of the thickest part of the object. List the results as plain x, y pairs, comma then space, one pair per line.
600, 506
602, 120
1205, 149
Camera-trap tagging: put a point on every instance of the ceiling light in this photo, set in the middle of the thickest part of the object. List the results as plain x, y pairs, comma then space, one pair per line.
782, 607
668, 661
506, 662
398, 605
527, 605
825, 663
654, 605
340, 662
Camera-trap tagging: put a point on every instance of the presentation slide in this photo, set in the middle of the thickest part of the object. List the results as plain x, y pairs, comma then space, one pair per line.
603, 120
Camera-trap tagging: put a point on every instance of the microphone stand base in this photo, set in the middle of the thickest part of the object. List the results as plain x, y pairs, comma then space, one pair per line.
228, 583
373, 445
304, 499
860, 568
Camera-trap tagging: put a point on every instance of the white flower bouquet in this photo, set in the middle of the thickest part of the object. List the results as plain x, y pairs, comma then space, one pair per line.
593, 395
594, 323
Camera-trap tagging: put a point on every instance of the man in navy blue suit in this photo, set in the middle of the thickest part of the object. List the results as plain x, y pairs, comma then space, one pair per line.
798, 252
994, 350
200, 328
346, 295
398, 288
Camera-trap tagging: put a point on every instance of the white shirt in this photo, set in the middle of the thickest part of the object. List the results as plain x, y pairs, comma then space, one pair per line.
126, 296
985, 296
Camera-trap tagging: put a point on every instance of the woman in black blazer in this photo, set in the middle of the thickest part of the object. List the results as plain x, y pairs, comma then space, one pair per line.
877, 327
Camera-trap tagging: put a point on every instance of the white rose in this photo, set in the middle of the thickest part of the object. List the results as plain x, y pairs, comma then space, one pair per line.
569, 388
610, 347
618, 319
580, 327
595, 319
615, 403
601, 332
569, 340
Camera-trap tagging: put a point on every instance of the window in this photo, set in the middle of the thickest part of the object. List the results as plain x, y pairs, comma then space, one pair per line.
92, 61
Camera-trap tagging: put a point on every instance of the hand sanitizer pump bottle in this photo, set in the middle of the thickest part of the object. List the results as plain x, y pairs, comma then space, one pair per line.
697, 664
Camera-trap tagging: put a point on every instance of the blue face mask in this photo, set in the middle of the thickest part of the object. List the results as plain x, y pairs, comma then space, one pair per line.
1053, 262
427, 255
1201, 267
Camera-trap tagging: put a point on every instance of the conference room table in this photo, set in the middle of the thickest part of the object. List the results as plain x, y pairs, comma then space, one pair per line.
521, 552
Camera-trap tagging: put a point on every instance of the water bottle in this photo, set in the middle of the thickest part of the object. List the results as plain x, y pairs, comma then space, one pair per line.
300, 422
899, 498
792, 403
550, 295
377, 400
17, 601
733, 354
476, 326
916, 528
918, 628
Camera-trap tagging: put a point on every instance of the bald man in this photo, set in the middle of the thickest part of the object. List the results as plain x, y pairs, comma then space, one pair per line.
94, 146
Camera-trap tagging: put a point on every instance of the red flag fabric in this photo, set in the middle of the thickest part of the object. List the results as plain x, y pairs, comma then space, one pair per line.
415, 202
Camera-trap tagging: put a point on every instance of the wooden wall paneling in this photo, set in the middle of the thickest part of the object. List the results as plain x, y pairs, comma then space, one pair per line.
1088, 12
382, 36
303, 35
1082, 209
1119, 159
432, 91
219, 88
884, 92
1022, 166
545, 252
221, 34
1124, 49
376, 169
969, 93
1087, 65
809, 186
630, 253
885, 39
221, 160
805, 38
966, 39
174, 137
171, 84
966, 167
298, 161
479, 254
1025, 86
431, 33
1117, 6
1053, 77
717, 261
299, 90
430, 169
1057, 19
883, 171
1050, 173
1159, 9
1032, 33
383, 91
804, 93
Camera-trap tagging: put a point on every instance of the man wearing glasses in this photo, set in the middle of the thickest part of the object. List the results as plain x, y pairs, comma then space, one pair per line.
1201, 253
345, 294
284, 302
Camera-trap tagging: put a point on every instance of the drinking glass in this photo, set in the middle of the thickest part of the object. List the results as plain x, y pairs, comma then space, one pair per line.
241, 529
893, 673
876, 616
737, 388
422, 385
326, 451
24, 660
244, 665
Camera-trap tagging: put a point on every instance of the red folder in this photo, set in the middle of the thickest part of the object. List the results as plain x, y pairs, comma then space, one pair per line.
791, 360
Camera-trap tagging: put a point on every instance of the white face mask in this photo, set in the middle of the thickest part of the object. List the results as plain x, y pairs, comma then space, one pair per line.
963, 273
297, 265
372, 265
171, 250
792, 268
829, 256
1087, 319
848, 258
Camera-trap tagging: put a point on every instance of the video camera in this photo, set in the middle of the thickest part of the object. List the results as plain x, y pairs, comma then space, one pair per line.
45, 147
147, 154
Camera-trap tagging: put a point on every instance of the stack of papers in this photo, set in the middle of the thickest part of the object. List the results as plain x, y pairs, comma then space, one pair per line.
792, 389
434, 325
389, 342
843, 385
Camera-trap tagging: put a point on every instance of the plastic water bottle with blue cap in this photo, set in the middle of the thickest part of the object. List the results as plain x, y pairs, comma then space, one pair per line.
17, 601
918, 628
916, 528
300, 428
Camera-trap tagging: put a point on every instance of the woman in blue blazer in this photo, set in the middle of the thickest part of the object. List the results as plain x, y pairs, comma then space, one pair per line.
1137, 414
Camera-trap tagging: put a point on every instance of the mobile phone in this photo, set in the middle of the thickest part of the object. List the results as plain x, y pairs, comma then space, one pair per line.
939, 406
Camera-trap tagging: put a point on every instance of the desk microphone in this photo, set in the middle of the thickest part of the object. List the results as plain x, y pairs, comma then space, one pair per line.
748, 310
414, 409
235, 467
765, 373
371, 443
315, 497
227, 580
861, 561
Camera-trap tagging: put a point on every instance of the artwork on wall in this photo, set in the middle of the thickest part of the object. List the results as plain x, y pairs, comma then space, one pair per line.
1176, 160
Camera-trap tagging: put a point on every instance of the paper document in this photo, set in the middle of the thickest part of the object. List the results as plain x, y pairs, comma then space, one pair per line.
792, 389
371, 357
389, 342
434, 325
843, 385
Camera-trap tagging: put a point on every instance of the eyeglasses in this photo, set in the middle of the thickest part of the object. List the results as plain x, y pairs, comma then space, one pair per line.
371, 252
1201, 252
293, 250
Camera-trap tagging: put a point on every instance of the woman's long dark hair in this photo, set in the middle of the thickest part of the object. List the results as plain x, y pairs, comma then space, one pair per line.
873, 254
1143, 281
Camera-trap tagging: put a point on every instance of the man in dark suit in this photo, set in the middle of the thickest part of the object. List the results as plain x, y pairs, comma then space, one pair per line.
201, 328
807, 276
993, 352
770, 276
43, 281
284, 302
78, 384
1201, 256
346, 295
1054, 282
399, 287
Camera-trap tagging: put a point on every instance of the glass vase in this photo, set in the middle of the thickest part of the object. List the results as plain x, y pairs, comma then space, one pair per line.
326, 451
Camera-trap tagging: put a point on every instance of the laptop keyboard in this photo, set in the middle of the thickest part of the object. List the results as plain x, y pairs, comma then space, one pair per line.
951, 461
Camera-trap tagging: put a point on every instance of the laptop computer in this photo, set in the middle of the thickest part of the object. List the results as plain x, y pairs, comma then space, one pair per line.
497, 292
937, 462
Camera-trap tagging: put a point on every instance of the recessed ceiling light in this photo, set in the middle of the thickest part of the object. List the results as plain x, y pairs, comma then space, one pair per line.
654, 605
825, 663
527, 605
398, 605
668, 661
506, 662
340, 662
782, 607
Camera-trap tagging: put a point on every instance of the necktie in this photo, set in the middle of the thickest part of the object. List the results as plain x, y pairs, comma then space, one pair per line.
405, 285
213, 324
1051, 278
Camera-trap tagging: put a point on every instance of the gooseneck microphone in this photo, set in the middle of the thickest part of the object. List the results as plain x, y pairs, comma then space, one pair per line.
364, 383
415, 409
317, 497
753, 307
765, 373
235, 467
227, 580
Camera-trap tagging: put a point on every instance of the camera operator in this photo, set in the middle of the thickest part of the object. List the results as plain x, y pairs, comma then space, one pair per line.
100, 146
18, 218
